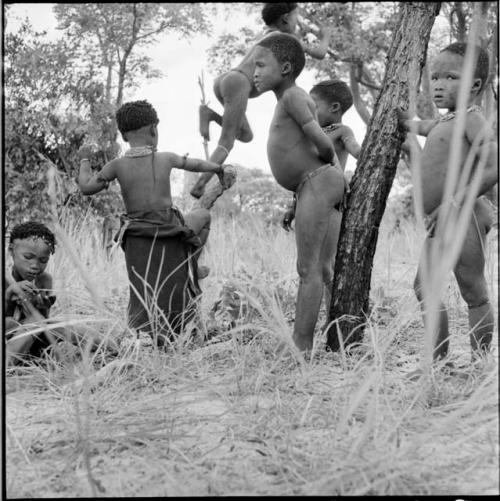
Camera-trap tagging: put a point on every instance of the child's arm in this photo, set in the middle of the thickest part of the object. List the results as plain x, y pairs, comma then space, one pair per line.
350, 143
319, 51
226, 173
88, 182
480, 135
420, 127
296, 105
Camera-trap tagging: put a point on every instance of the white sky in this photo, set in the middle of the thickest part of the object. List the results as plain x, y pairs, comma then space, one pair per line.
176, 95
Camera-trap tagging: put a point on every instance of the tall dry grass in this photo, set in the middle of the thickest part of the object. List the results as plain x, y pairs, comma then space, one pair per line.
238, 415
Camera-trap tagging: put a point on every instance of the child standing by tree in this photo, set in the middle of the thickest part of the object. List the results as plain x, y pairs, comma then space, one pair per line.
234, 88
302, 160
332, 98
446, 74
154, 234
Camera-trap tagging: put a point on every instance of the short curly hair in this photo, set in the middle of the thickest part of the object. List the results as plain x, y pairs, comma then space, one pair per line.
134, 115
271, 12
334, 91
482, 62
33, 229
285, 48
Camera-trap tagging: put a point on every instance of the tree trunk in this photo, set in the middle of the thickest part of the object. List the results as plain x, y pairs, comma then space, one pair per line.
375, 172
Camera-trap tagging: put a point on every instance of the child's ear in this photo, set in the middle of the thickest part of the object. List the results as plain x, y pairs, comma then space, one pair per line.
286, 68
476, 85
334, 107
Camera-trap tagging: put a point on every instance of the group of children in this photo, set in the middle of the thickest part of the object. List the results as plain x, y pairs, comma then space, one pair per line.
307, 150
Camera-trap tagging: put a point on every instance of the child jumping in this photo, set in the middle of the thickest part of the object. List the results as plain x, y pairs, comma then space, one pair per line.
234, 88
303, 160
332, 98
446, 74
154, 233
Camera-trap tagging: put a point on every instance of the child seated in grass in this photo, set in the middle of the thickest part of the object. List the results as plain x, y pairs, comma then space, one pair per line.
332, 98
155, 236
303, 160
235, 87
446, 74
28, 296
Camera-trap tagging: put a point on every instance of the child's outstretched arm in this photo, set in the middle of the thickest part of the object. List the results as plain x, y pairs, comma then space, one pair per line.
199, 165
296, 104
88, 182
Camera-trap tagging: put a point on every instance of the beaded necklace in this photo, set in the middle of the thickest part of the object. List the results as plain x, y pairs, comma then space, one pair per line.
139, 151
331, 127
452, 114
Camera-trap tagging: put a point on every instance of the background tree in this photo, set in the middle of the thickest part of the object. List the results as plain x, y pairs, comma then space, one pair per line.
375, 172
60, 94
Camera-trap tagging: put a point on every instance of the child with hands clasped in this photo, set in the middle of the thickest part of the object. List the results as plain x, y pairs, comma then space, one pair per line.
28, 291
446, 74
303, 160
332, 98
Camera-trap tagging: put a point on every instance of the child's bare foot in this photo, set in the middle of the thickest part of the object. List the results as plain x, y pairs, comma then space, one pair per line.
205, 116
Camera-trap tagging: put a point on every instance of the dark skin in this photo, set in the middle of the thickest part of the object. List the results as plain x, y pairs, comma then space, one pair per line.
233, 89
446, 73
297, 147
342, 138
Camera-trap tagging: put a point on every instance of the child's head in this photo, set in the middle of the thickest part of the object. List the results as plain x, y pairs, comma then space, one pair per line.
30, 246
446, 71
333, 98
137, 118
282, 15
277, 56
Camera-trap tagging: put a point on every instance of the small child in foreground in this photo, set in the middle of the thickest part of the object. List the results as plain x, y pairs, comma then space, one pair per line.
446, 74
332, 98
303, 160
28, 296
154, 233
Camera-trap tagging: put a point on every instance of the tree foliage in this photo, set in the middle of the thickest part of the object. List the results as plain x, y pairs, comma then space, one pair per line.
59, 94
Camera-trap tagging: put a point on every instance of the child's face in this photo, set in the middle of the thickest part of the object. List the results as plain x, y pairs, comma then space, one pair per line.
446, 70
323, 110
268, 70
30, 256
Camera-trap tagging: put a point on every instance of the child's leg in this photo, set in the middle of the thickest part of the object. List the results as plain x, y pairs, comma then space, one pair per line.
199, 221
328, 254
316, 237
234, 90
469, 273
442, 342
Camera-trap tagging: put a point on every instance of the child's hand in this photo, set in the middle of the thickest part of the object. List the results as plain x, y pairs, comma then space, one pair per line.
227, 176
21, 291
85, 151
402, 115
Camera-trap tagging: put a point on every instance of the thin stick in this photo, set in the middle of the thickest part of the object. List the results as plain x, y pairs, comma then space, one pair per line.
201, 83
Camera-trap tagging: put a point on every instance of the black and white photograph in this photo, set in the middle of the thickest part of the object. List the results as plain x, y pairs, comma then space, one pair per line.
250, 250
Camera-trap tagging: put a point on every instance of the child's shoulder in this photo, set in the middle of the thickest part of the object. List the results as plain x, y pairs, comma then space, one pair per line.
44, 280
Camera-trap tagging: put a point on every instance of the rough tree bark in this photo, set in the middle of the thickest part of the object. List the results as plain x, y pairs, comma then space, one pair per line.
374, 174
